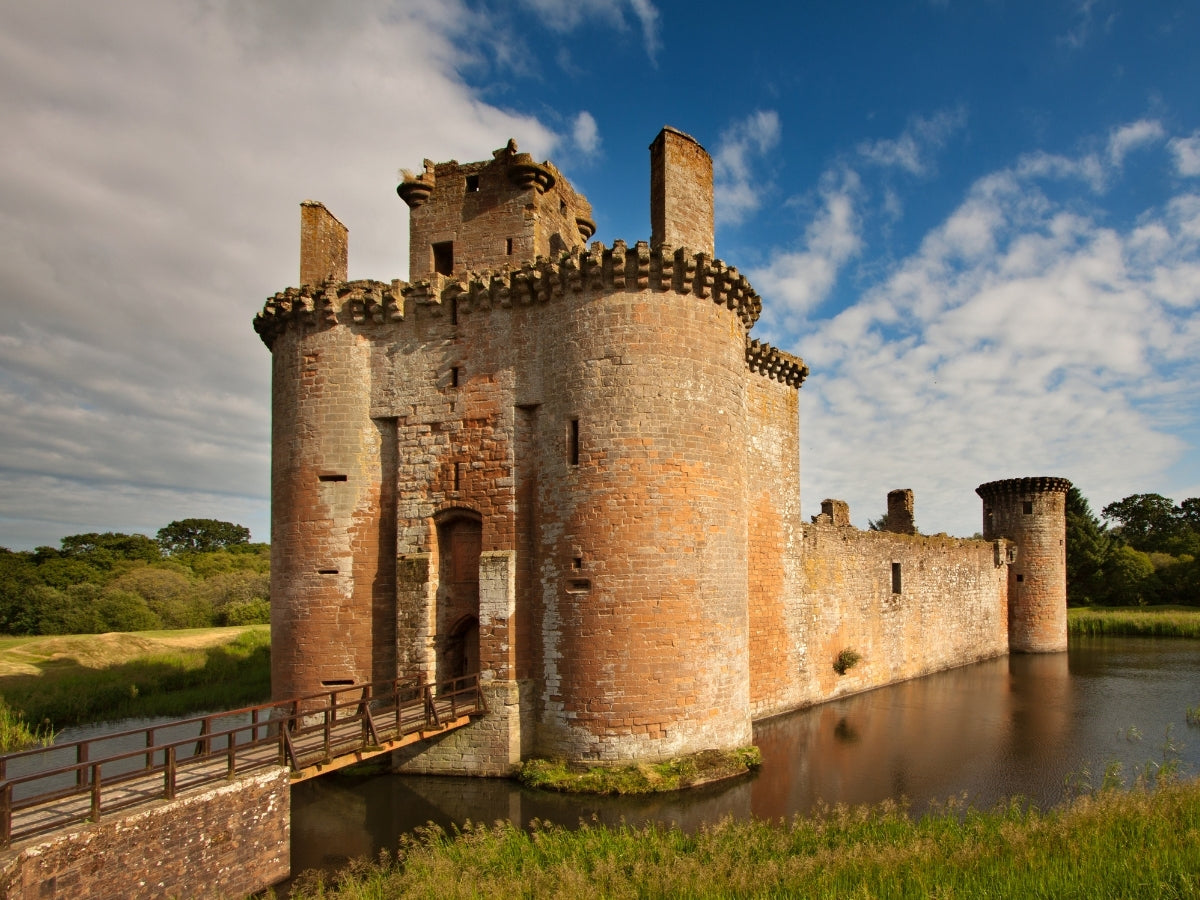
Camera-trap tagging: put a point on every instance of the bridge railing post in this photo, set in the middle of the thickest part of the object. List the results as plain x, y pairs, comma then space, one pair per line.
169, 774
81, 757
95, 792
231, 755
6, 815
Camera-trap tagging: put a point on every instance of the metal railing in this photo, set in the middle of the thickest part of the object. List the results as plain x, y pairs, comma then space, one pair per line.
49, 788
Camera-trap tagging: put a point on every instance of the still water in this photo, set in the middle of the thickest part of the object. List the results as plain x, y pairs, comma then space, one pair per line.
1020, 725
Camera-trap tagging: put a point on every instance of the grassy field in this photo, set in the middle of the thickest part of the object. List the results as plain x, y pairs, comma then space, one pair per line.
1147, 621
74, 679
1112, 844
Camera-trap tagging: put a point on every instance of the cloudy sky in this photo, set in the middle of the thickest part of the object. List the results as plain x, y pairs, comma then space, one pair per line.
978, 221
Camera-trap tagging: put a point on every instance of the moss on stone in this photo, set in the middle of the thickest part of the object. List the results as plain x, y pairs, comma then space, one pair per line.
675, 774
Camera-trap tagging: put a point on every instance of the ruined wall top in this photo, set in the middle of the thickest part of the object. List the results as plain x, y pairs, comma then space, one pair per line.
681, 192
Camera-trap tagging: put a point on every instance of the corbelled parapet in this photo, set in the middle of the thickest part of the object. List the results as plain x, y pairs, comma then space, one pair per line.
598, 268
772, 362
1008, 487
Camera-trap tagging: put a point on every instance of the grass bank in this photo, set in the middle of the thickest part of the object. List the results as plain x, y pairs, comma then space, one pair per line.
74, 679
646, 778
1148, 621
1113, 844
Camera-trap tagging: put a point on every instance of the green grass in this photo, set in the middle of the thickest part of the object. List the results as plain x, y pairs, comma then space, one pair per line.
17, 734
1111, 844
645, 778
1147, 621
108, 678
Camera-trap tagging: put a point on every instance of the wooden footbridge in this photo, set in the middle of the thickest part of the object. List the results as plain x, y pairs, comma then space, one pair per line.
44, 790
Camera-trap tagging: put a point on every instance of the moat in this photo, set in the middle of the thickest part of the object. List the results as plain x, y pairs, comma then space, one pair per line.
1014, 725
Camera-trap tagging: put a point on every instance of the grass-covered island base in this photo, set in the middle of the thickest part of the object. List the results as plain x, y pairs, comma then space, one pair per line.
1115, 843
674, 774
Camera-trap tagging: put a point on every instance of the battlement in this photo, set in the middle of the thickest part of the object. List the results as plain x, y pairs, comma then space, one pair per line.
763, 359
1011, 487
598, 268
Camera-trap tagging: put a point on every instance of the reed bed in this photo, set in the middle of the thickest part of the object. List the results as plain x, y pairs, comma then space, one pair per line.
1114, 843
1141, 621
17, 734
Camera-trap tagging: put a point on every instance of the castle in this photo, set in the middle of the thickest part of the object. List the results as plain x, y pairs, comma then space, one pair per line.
570, 468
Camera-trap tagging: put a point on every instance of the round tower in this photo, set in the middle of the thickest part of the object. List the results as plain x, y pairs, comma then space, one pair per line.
1031, 512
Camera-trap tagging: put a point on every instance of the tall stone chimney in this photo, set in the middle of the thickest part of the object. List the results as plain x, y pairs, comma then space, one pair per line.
323, 245
681, 192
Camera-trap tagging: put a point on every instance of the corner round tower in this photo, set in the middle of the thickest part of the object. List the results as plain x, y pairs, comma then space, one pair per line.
645, 580
1031, 512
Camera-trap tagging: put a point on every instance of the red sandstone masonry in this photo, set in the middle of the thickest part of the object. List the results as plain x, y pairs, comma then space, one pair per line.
230, 841
595, 424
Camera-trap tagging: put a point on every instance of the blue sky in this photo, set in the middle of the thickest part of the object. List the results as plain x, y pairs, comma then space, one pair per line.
978, 222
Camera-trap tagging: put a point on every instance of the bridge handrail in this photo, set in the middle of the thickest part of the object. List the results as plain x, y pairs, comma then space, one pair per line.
289, 722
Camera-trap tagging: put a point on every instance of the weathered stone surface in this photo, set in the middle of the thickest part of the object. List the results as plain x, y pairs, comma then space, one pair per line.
569, 466
229, 841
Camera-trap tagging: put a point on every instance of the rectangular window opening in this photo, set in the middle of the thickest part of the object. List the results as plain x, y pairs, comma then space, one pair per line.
577, 562
896, 583
458, 476
472, 184
337, 682
573, 442
443, 258
508, 246
327, 571
454, 376
331, 477
579, 586
1028, 507
1020, 577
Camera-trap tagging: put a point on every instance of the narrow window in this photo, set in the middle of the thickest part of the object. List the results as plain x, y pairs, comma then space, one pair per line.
443, 258
472, 184
453, 310
331, 478
327, 571
1028, 507
457, 476
338, 682
562, 206
896, 585
573, 442
508, 246
577, 562
454, 376
1020, 577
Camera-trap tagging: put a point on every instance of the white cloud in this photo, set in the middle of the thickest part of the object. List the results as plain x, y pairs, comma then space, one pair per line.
1187, 154
797, 282
567, 15
913, 150
1023, 337
152, 162
1131, 136
585, 134
738, 169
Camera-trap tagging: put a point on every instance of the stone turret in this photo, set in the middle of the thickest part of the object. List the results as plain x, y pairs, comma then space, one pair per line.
1031, 512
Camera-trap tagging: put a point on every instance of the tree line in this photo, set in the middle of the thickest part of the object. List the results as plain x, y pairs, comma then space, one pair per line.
1144, 549
195, 573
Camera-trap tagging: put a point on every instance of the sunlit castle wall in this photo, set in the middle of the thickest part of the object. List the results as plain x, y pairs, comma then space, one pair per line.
328, 603
1031, 512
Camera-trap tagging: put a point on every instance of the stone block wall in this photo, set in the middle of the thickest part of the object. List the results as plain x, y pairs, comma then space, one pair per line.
229, 841
324, 245
681, 192
949, 610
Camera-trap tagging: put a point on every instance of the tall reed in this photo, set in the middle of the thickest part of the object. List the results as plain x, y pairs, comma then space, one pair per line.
1109, 844
1147, 621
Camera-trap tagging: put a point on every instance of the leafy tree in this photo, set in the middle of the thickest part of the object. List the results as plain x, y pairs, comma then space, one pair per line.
1130, 576
102, 550
1088, 549
201, 535
1153, 523
125, 611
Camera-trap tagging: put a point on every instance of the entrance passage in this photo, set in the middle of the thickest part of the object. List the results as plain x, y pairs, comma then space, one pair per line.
460, 540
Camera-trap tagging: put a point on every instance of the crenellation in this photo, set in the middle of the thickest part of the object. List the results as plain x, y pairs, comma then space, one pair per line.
572, 470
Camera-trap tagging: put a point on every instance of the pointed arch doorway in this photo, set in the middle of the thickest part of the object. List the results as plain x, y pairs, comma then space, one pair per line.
460, 540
